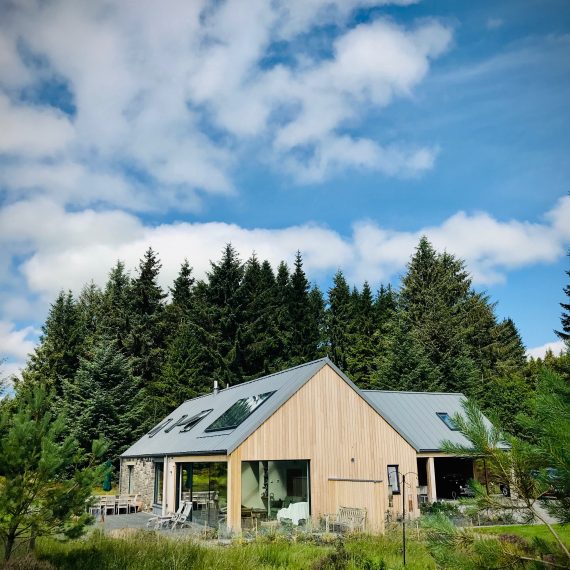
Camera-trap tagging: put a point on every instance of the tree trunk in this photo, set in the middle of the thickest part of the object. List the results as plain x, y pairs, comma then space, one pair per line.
9, 545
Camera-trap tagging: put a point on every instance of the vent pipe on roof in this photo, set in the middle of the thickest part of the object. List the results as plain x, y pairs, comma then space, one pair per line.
216, 390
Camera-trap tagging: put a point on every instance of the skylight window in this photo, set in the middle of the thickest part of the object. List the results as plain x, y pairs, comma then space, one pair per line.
157, 428
447, 420
178, 423
191, 422
238, 412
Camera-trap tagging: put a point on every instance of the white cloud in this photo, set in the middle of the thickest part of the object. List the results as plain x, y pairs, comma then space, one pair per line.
32, 131
75, 247
556, 347
15, 343
167, 98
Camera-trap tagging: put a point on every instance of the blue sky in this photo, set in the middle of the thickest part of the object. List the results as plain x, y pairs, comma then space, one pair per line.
345, 129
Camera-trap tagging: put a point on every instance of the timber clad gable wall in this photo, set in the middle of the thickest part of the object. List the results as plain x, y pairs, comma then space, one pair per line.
331, 425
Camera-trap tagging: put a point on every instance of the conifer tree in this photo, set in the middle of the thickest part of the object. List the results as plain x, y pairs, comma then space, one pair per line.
362, 346
304, 330
146, 340
433, 300
104, 401
179, 308
282, 316
339, 321
224, 296
89, 306
44, 482
511, 352
61, 344
117, 311
564, 334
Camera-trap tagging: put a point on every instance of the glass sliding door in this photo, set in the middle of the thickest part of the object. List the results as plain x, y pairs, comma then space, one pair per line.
270, 488
205, 484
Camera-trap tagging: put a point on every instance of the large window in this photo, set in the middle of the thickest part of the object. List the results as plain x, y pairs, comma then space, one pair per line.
394, 479
158, 482
238, 412
447, 420
206, 485
270, 488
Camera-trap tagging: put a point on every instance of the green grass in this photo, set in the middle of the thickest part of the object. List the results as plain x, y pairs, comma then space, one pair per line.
145, 550
530, 531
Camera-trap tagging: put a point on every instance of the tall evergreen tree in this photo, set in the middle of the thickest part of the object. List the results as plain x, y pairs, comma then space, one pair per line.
362, 351
564, 334
61, 344
146, 340
224, 295
303, 327
104, 401
89, 306
511, 352
339, 320
433, 299
117, 310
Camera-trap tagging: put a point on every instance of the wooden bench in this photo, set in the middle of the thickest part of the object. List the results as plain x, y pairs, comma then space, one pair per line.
351, 519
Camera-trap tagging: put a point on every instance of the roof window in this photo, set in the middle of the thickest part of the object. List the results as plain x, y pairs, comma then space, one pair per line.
157, 428
238, 412
191, 422
447, 420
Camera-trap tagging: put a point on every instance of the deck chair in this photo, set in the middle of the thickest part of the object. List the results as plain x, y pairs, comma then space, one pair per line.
183, 517
162, 521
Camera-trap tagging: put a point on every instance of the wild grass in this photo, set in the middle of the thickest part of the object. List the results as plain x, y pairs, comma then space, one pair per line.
530, 531
145, 550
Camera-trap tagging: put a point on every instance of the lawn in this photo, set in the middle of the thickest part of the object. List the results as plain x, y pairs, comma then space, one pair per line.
145, 550
530, 531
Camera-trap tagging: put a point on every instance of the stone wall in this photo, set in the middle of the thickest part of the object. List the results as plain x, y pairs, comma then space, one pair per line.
142, 479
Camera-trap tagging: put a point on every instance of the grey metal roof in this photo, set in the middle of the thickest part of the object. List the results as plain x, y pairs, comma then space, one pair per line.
197, 441
413, 415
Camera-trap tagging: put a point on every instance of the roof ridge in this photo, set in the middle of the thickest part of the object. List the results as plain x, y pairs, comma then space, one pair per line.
324, 359
415, 392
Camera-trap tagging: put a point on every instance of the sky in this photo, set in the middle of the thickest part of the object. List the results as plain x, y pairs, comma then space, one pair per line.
345, 129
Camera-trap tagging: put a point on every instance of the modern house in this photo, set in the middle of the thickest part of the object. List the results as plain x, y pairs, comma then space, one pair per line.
305, 440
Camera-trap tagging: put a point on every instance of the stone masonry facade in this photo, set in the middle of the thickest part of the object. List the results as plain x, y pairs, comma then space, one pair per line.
141, 472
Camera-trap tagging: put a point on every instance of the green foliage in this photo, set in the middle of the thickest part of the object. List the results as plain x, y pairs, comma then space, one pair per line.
151, 551
564, 334
45, 481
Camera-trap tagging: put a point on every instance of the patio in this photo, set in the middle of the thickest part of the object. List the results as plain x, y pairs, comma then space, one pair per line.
138, 521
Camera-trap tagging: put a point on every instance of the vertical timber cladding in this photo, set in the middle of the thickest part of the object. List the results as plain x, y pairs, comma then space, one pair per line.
329, 424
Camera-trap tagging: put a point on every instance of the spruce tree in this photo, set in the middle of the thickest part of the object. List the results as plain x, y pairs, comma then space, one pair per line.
362, 346
511, 352
104, 401
433, 300
89, 306
61, 344
564, 334
146, 340
339, 321
304, 330
117, 310
224, 297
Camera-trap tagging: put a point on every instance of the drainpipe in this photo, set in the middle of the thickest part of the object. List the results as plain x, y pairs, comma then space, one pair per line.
164, 485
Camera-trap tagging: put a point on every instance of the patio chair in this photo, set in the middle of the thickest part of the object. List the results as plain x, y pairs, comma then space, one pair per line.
162, 521
122, 504
108, 503
133, 503
95, 508
183, 517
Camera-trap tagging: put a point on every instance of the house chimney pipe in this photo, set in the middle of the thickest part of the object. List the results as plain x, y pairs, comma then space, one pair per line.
215, 387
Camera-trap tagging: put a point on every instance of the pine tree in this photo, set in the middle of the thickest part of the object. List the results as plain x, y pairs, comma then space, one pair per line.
117, 311
44, 482
564, 334
89, 307
362, 346
511, 352
282, 317
104, 400
146, 340
61, 344
339, 321
180, 306
224, 296
434, 301
318, 317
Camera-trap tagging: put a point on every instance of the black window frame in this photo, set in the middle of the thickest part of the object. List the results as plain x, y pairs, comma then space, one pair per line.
447, 420
158, 466
159, 427
395, 491
192, 422
265, 397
